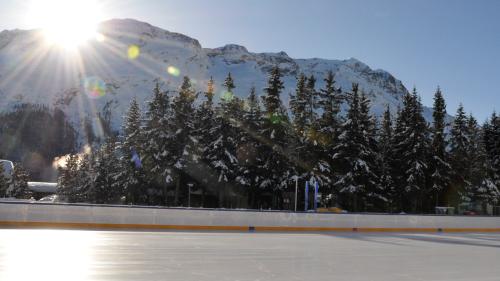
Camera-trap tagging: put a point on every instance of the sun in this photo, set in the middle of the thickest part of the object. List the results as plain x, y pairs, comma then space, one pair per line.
66, 23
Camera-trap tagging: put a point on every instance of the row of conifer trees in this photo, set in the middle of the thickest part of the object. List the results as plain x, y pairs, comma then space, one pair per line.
249, 152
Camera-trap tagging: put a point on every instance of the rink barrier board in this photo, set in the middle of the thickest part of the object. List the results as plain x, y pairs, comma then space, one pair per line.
86, 216
109, 226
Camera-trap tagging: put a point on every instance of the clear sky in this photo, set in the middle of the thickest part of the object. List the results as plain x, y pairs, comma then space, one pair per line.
425, 43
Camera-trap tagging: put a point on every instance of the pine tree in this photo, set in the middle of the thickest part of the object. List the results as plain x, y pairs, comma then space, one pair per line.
439, 161
158, 149
249, 152
311, 97
228, 95
410, 154
205, 122
106, 189
385, 141
375, 192
458, 155
18, 185
490, 192
276, 134
132, 177
330, 101
67, 181
272, 100
298, 105
355, 156
478, 190
4, 181
184, 142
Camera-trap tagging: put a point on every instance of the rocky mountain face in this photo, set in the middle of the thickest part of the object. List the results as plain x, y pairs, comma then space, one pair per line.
103, 75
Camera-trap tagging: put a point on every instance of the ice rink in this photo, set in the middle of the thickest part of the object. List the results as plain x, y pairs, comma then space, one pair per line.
119, 255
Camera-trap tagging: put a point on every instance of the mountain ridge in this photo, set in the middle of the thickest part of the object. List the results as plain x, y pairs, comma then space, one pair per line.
31, 71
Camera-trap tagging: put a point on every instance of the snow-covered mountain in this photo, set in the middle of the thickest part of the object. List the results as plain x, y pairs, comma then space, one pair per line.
32, 71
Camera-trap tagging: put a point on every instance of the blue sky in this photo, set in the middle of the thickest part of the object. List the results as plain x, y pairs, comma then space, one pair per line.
425, 43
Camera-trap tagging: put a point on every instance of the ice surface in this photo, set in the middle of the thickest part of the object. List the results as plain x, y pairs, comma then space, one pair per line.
245, 256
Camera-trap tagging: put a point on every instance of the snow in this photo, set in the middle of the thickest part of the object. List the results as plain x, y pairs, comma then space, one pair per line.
159, 49
8, 166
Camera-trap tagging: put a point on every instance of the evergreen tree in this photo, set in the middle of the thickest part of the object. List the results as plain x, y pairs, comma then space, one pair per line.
158, 149
184, 141
375, 192
355, 155
298, 106
458, 154
4, 181
205, 122
311, 97
106, 189
276, 134
67, 181
229, 85
385, 141
249, 153
330, 101
18, 185
410, 154
478, 190
132, 177
272, 100
222, 150
490, 192
440, 168
86, 178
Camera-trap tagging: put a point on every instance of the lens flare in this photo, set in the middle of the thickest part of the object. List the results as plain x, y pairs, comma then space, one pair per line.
100, 37
133, 52
174, 71
227, 96
94, 87
276, 118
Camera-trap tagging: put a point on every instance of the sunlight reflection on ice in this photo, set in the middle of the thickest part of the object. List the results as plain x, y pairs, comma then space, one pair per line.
55, 255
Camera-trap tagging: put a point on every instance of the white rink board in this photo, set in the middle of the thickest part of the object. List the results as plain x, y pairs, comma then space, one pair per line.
67, 213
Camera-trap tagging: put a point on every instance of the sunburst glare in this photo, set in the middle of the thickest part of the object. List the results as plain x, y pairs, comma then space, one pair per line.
66, 23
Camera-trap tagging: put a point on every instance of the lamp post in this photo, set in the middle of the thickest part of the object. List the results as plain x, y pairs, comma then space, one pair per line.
296, 190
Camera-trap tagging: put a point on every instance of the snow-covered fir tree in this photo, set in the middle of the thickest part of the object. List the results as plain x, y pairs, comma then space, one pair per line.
132, 177
158, 148
276, 134
18, 184
221, 151
385, 141
459, 142
478, 190
106, 188
68, 181
355, 156
411, 147
298, 106
205, 123
4, 182
249, 151
440, 168
330, 100
184, 143
491, 183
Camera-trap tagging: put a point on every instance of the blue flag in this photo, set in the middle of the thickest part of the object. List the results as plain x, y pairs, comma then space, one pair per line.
306, 199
